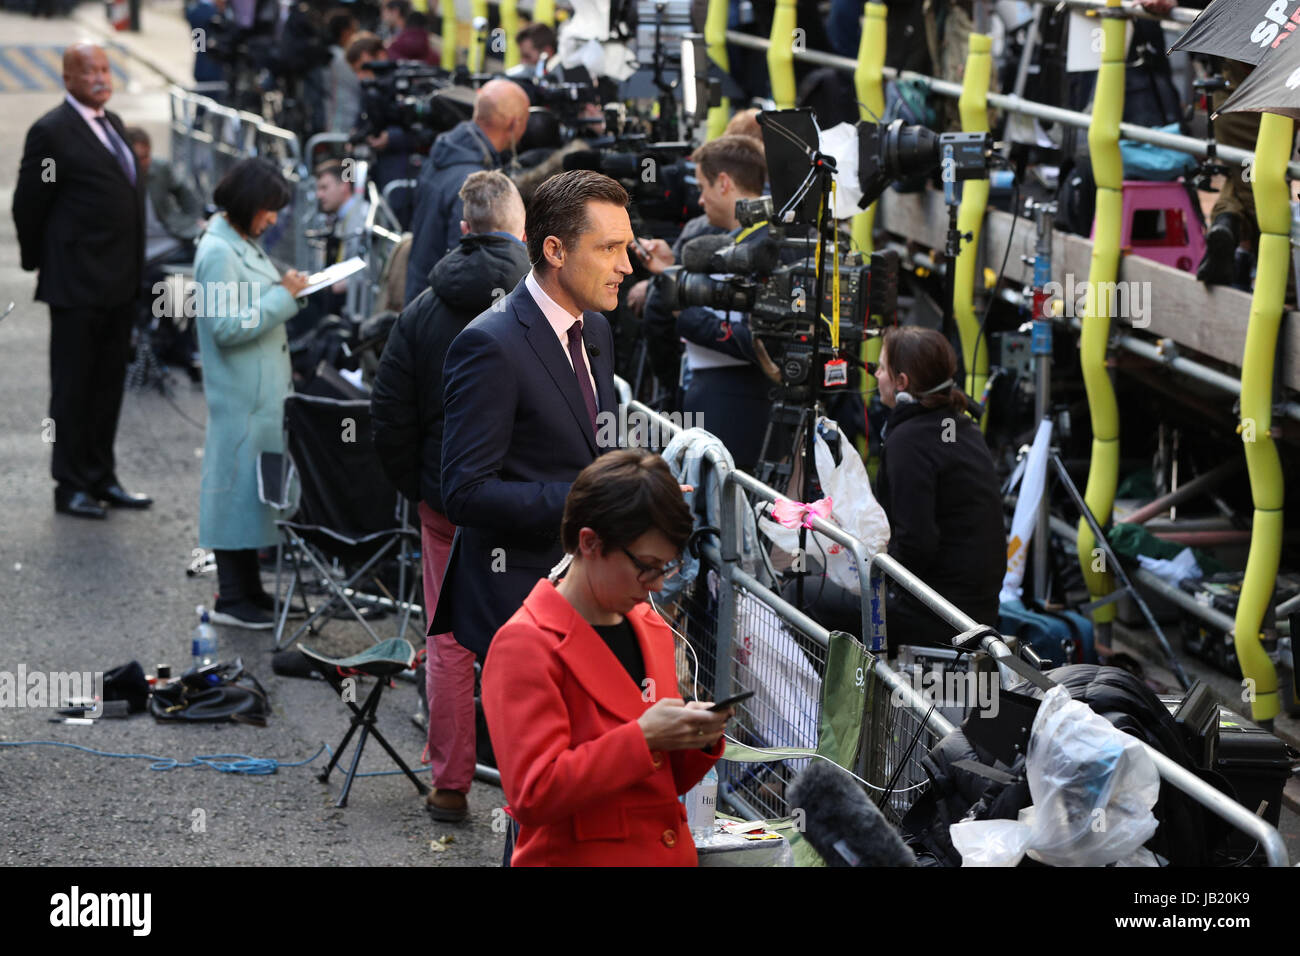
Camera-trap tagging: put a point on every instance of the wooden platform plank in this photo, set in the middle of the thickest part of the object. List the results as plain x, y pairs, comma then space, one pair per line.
1210, 320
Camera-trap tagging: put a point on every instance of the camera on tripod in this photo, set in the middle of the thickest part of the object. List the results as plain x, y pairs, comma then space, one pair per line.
750, 277
889, 153
658, 177
411, 96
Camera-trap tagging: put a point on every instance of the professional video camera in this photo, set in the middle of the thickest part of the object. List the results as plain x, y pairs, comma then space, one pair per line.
813, 348
658, 177
776, 296
412, 96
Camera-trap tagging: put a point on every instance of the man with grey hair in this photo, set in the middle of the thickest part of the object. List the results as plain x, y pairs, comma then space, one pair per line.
407, 414
499, 120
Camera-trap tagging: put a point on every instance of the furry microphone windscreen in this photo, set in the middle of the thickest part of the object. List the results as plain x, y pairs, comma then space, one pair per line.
697, 253
840, 822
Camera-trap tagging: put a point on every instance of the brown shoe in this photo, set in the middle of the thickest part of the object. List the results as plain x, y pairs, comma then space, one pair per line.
447, 806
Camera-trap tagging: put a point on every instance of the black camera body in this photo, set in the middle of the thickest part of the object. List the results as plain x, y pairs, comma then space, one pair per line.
777, 299
658, 177
408, 95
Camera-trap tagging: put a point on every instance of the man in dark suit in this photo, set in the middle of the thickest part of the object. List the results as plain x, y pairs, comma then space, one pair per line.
525, 385
79, 212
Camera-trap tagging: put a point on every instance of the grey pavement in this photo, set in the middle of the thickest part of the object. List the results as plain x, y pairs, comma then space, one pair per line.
80, 595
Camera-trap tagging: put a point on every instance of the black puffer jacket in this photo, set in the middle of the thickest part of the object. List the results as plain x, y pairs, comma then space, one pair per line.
940, 492
406, 406
1185, 834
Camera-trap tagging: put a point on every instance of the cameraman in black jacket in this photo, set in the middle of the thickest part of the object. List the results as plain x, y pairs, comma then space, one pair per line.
727, 393
407, 412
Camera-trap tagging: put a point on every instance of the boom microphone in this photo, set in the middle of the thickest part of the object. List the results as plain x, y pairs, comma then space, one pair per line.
697, 253
842, 824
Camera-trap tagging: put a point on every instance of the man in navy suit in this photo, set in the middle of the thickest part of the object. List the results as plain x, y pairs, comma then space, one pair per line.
79, 211
523, 386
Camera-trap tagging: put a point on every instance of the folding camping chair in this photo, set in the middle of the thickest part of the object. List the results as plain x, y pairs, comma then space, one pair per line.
381, 662
347, 512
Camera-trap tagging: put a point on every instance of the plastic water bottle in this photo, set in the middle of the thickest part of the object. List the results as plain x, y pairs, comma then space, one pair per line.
204, 643
701, 805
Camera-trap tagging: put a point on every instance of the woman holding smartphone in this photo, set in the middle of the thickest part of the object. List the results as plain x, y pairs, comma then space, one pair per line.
580, 685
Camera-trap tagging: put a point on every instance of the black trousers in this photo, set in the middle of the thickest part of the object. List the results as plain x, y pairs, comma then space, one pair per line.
734, 403
239, 577
89, 349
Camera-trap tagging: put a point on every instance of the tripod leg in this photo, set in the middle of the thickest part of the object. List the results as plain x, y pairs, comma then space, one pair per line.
1103, 543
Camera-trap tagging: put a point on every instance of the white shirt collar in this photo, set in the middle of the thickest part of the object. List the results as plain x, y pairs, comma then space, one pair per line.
557, 315
87, 112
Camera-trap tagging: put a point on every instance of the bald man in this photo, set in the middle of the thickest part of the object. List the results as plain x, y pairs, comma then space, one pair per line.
79, 212
499, 120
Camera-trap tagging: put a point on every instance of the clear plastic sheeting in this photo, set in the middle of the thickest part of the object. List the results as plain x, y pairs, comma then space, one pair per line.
1093, 790
853, 507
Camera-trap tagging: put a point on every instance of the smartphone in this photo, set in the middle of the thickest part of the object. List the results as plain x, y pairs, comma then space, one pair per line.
732, 700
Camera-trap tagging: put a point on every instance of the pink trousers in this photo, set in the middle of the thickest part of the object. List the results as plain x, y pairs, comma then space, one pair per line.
449, 670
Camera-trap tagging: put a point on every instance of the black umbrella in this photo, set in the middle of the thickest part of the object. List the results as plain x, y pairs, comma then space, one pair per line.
1273, 86
1244, 30
1256, 32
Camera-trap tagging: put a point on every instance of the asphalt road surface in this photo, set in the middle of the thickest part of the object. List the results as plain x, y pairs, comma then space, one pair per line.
79, 595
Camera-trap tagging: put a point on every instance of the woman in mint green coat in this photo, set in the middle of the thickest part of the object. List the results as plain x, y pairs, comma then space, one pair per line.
242, 305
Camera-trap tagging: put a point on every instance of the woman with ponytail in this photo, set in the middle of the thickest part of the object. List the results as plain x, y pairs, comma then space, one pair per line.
938, 487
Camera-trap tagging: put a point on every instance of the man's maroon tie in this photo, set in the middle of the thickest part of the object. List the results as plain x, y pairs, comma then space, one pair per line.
580, 370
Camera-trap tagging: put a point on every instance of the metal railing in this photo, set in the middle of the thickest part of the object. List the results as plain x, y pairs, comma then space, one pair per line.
208, 138
1017, 104
743, 632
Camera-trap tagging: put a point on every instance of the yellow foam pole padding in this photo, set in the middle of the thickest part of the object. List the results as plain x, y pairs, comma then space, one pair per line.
780, 54
1108, 171
544, 12
869, 81
510, 28
478, 8
973, 106
448, 34
1272, 202
715, 37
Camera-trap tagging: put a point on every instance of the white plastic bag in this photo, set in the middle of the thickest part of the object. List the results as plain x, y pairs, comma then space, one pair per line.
1093, 788
788, 691
853, 508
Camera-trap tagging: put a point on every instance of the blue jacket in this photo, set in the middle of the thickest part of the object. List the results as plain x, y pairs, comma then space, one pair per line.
456, 154
241, 310
515, 435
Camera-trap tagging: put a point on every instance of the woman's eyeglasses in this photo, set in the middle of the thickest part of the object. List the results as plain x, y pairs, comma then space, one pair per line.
650, 573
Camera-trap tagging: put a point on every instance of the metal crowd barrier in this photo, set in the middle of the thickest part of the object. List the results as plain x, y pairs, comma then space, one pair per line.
208, 138
744, 633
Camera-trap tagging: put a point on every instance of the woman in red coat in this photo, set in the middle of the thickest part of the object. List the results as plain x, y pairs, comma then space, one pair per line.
579, 686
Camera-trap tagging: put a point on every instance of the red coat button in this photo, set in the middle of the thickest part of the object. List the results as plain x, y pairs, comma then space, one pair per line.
670, 838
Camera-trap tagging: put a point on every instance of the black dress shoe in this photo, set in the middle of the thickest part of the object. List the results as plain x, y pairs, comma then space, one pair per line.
119, 497
77, 503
